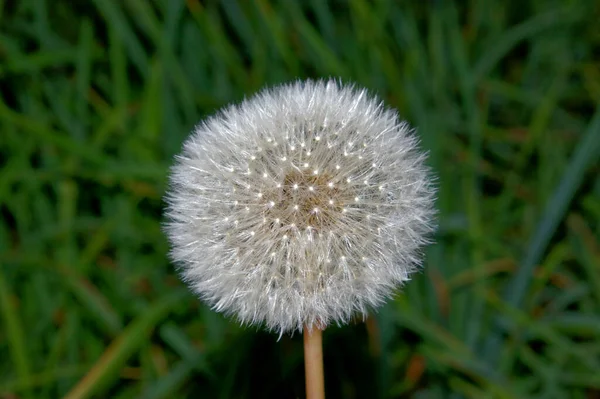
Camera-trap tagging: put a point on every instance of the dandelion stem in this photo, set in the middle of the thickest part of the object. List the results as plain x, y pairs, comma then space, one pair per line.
313, 363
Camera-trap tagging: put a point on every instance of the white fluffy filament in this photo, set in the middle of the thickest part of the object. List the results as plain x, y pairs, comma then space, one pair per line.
303, 205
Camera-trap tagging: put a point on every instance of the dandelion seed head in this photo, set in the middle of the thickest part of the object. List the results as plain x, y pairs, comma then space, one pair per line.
308, 246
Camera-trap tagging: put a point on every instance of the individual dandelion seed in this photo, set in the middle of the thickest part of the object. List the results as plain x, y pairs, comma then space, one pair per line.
300, 207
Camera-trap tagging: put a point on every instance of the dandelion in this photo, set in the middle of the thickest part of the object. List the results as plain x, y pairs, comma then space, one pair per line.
302, 206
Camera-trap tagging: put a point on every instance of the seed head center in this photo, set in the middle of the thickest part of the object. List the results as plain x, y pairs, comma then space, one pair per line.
308, 201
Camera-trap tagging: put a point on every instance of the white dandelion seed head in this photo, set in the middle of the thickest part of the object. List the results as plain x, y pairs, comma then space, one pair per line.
303, 205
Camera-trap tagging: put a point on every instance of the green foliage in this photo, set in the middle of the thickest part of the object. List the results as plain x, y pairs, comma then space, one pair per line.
97, 97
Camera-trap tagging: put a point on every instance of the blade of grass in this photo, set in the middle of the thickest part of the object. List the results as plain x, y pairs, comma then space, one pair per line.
586, 250
16, 336
575, 324
278, 34
587, 152
165, 386
511, 38
114, 16
182, 344
209, 23
97, 304
532, 329
118, 69
323, 56
45, 378
49, 135
84, 72
19, 63
107, 367
472, 183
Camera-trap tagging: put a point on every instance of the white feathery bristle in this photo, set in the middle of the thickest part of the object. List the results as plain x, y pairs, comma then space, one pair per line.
303, 205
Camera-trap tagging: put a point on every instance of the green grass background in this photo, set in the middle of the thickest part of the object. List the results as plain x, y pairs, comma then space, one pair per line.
98, 95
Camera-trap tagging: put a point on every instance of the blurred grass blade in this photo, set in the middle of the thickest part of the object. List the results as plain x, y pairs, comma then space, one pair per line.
15, 335
49, 135
49, 377
165, 386
587, 152
586, 250
114, 16
94, 302
519, 33
182, 344
110, 363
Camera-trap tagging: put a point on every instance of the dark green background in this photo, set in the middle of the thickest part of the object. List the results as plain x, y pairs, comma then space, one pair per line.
98, 95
